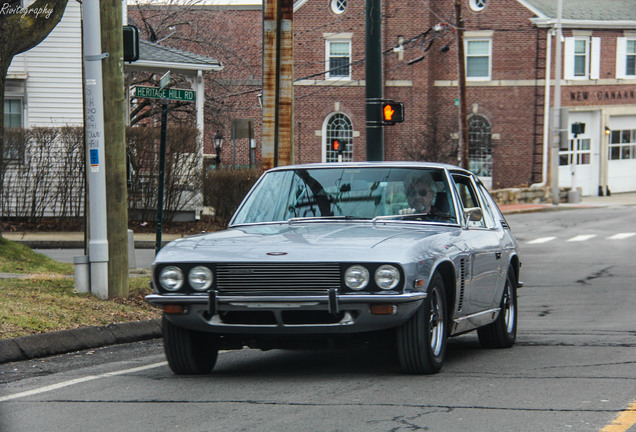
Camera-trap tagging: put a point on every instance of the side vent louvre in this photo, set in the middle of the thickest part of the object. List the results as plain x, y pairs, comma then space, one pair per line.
462, 284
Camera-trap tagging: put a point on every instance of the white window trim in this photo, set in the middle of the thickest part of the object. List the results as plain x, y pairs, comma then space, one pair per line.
328, 40
621, 57
477, 39
592, 58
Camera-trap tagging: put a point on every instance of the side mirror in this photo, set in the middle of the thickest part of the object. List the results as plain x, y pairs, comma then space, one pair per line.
473, 214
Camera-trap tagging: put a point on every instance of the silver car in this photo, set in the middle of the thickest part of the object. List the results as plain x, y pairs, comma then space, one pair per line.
323, 254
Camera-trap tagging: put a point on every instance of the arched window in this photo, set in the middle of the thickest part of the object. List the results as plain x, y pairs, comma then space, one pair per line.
480, 145
339, 128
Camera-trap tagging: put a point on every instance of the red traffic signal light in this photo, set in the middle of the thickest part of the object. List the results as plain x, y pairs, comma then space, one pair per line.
338, 145
392, 112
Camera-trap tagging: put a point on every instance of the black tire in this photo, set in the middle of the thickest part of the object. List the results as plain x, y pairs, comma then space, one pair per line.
503, 332
421, 341
189, 352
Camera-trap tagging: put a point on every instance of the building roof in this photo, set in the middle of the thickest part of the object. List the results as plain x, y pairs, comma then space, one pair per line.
585, 13
159, 58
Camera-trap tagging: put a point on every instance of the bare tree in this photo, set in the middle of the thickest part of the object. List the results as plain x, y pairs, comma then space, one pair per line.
206, 30
22, 28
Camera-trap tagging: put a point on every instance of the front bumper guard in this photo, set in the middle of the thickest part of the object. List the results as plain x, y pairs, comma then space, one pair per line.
332, 300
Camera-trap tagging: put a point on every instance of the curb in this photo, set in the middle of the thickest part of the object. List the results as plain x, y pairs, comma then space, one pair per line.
64, 341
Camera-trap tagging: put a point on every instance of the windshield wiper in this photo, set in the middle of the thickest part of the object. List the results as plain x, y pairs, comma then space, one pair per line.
309, 218
422, 217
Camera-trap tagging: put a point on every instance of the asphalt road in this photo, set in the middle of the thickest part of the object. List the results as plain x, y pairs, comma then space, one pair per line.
573, 368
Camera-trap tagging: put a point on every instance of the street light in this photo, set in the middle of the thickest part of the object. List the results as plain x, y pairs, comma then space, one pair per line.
217, 139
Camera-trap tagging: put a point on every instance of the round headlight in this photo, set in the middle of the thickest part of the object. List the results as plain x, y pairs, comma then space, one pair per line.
200, 278
387, 277
171, 278
356, 277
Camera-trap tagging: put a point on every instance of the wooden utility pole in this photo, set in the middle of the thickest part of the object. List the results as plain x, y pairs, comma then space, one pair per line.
115, 147
464, 159
278, 86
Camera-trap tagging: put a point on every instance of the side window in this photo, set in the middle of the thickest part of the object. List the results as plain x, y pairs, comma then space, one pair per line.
338, 60
478, 59
13, 133
582, 57
625, 57
489, 207
469, 198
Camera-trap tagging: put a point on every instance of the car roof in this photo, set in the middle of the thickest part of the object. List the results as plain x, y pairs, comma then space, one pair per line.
381, 164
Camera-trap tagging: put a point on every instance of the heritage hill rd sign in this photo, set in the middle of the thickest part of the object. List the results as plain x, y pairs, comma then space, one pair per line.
165, 95
169, 94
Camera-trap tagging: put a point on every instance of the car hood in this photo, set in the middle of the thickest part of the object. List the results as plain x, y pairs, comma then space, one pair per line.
314, 241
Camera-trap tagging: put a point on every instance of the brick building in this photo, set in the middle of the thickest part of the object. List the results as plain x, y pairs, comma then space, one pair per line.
510, 61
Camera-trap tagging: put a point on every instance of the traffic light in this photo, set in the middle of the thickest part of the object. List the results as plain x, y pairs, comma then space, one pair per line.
131, 43
392, 112
338, 145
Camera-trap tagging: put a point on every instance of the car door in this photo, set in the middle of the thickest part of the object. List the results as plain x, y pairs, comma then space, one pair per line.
483, 248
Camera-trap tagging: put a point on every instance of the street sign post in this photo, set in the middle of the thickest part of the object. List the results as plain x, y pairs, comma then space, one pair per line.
165, 95
169, 93
164, 80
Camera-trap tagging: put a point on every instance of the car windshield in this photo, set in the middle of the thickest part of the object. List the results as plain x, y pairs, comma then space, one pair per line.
349, 193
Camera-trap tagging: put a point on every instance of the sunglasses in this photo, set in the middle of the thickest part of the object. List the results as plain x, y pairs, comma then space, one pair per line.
420, 192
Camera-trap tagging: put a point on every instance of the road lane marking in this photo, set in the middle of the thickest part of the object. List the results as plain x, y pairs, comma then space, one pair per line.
621, 236
541, 240
79, 381
624, 421
582, 237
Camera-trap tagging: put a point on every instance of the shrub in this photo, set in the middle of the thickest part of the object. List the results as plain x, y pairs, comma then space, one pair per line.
182, 184
225, 188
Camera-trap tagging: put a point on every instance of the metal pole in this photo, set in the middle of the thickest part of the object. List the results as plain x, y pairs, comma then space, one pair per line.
374, 88
464, 151
162, 173
94, 130
556, 110
234, 144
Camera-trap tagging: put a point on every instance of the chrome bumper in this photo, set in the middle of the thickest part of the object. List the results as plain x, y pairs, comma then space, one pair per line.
203, 312
332, 300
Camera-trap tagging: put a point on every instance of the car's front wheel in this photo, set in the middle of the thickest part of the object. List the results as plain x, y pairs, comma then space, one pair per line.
189, 352
421, 341
503, 332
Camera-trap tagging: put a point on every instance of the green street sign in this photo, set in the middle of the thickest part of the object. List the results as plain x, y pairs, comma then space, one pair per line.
170, 94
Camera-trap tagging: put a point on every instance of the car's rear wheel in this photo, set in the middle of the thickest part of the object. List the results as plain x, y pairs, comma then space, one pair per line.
189, 352
421, 341
503, 332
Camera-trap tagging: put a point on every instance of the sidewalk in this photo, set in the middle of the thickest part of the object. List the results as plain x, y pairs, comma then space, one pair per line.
620, 199
75, 240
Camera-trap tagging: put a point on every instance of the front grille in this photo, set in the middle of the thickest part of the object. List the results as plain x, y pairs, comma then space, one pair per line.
277, 276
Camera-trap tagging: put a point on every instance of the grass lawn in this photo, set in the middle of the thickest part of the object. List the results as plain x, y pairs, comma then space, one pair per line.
46, 300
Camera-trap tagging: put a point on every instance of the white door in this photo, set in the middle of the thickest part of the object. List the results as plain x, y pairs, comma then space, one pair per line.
579, 165
621, 172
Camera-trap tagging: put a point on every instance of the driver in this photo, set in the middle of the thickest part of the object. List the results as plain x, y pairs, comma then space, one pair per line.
421, 192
